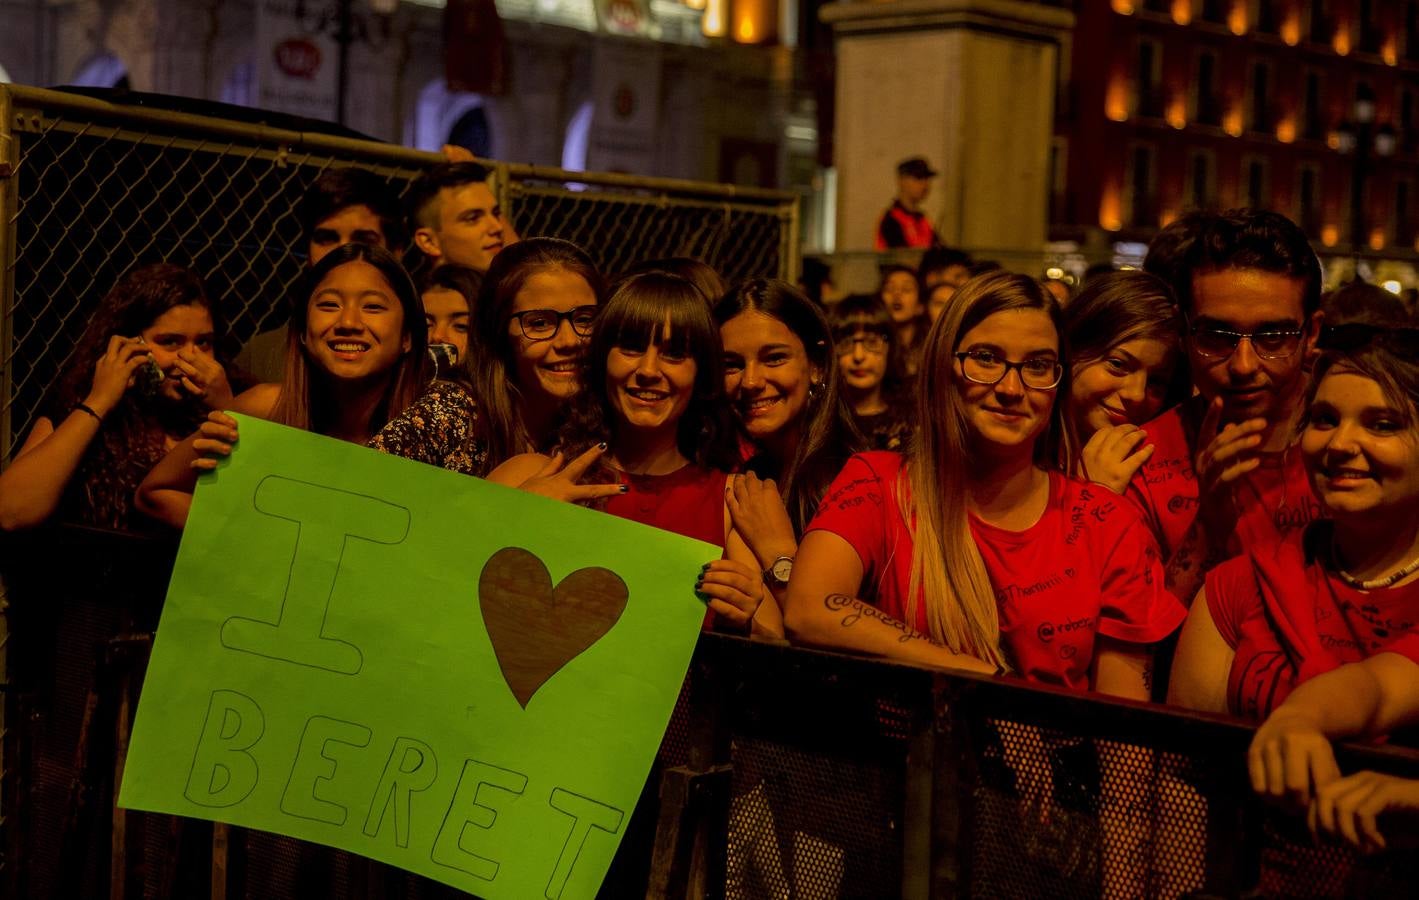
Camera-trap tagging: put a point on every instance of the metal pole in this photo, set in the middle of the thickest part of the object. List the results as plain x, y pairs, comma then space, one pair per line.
1358, 240
344, 37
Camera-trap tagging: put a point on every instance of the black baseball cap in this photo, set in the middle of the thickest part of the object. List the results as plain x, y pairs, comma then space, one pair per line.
916, 167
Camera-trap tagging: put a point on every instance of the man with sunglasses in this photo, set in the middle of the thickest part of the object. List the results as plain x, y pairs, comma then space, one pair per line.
1224, 476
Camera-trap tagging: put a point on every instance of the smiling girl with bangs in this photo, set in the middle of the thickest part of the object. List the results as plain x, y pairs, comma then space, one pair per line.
650, 431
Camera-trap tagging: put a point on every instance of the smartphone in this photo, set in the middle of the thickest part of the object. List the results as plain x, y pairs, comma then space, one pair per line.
149, 378
445, 357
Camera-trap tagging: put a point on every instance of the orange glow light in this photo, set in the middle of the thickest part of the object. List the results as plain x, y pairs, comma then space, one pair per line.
1291, 28
1232, 122
1167, 217
1110, 210
712, 24
1237, 18
695, 4
1332, 140
1389, 52
1123, 7
744, 32
1182, 11
1342, 40
1286, 130
1377, 239
1177, 112
1330, 235
1116, 100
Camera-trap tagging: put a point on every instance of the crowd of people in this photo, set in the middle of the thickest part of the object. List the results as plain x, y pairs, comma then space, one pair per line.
1197, 483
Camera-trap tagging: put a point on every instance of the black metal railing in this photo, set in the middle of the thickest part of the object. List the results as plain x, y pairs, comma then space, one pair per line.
786, 772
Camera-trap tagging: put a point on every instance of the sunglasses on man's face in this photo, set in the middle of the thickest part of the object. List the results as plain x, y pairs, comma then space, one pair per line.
1359, 335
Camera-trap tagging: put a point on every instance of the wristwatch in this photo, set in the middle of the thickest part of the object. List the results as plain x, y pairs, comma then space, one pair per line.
778, 572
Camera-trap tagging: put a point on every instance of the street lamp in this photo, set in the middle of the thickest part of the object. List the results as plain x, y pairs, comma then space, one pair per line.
1363, 141
346, 27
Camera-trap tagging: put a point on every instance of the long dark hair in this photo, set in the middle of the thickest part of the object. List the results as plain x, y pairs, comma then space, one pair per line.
634, 318
490, 367
829, 435
304, 401
132, 438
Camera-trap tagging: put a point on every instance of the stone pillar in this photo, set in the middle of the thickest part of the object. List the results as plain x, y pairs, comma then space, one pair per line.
970, 85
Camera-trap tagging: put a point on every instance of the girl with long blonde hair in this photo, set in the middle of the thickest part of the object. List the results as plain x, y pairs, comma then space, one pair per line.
975, 550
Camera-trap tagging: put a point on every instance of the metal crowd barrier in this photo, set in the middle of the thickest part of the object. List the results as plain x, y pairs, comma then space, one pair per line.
89, 188
786, 773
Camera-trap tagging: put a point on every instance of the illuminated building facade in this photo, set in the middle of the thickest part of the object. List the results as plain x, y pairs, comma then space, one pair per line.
1171, 105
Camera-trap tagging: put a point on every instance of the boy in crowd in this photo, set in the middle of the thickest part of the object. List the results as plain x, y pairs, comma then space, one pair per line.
1223, 476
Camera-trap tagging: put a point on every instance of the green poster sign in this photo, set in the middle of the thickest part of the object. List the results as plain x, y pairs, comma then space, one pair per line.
456, 678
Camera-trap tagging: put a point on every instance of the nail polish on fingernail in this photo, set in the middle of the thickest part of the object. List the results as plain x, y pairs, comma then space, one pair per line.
625, 488
601, 446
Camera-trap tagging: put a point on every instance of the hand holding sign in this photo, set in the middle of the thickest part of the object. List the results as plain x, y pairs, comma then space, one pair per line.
452, 677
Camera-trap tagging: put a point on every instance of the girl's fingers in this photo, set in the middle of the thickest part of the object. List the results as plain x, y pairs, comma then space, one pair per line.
204, 445
204, 463
580, 492
577, 467
729, 613
191, 387
1237, 470
550, 467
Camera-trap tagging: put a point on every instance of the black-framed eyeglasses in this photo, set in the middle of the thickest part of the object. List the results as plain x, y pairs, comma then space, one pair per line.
872, 343
1267, 343
542, 324
987, 367
1353, 336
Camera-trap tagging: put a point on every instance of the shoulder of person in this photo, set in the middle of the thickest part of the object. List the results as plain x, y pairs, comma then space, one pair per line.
257, 401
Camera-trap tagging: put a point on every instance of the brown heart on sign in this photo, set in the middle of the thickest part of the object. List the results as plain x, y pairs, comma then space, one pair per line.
536, 628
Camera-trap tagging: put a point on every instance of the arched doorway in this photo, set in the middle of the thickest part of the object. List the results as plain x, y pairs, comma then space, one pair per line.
448, 117
102, 70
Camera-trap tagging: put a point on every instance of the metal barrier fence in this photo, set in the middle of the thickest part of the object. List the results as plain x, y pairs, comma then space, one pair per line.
786, 773
89, 188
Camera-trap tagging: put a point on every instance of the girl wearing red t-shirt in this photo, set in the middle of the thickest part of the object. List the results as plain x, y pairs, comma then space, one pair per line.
1349, 587
650, 429
974, 551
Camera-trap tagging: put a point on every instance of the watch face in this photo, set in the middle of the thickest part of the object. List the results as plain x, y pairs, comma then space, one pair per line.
782, 569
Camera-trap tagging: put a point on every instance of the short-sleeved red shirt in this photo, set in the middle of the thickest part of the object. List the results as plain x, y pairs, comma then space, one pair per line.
1290, 618
1273, 500
1085, 568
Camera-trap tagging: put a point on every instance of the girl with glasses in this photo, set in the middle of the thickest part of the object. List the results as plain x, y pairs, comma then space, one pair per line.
862, 340
974, 550
653, 402
530, 326
1124, 333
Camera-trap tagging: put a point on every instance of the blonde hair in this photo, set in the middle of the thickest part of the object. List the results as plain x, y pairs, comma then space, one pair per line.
948, 573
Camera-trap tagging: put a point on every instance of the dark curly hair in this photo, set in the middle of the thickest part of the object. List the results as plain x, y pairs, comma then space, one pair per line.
1243, 239
670, 312
133, 436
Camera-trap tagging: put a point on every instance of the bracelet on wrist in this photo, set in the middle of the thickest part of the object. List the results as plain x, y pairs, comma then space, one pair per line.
85, 408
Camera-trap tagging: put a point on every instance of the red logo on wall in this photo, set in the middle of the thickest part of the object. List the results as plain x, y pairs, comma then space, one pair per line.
623, 101
298, 58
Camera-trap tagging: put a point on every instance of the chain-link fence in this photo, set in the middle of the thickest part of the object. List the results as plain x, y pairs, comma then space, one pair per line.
88, 189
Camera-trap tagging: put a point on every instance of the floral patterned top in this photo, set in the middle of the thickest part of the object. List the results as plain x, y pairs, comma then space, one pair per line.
441, 428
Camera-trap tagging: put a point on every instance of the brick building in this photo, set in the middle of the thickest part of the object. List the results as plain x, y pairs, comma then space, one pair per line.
1170, 105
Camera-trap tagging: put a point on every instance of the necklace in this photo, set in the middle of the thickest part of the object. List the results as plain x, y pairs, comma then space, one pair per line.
1372, 584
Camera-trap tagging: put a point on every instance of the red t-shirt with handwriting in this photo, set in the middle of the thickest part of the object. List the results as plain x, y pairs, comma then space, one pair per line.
1272, 500
1085, 568
1290, 618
